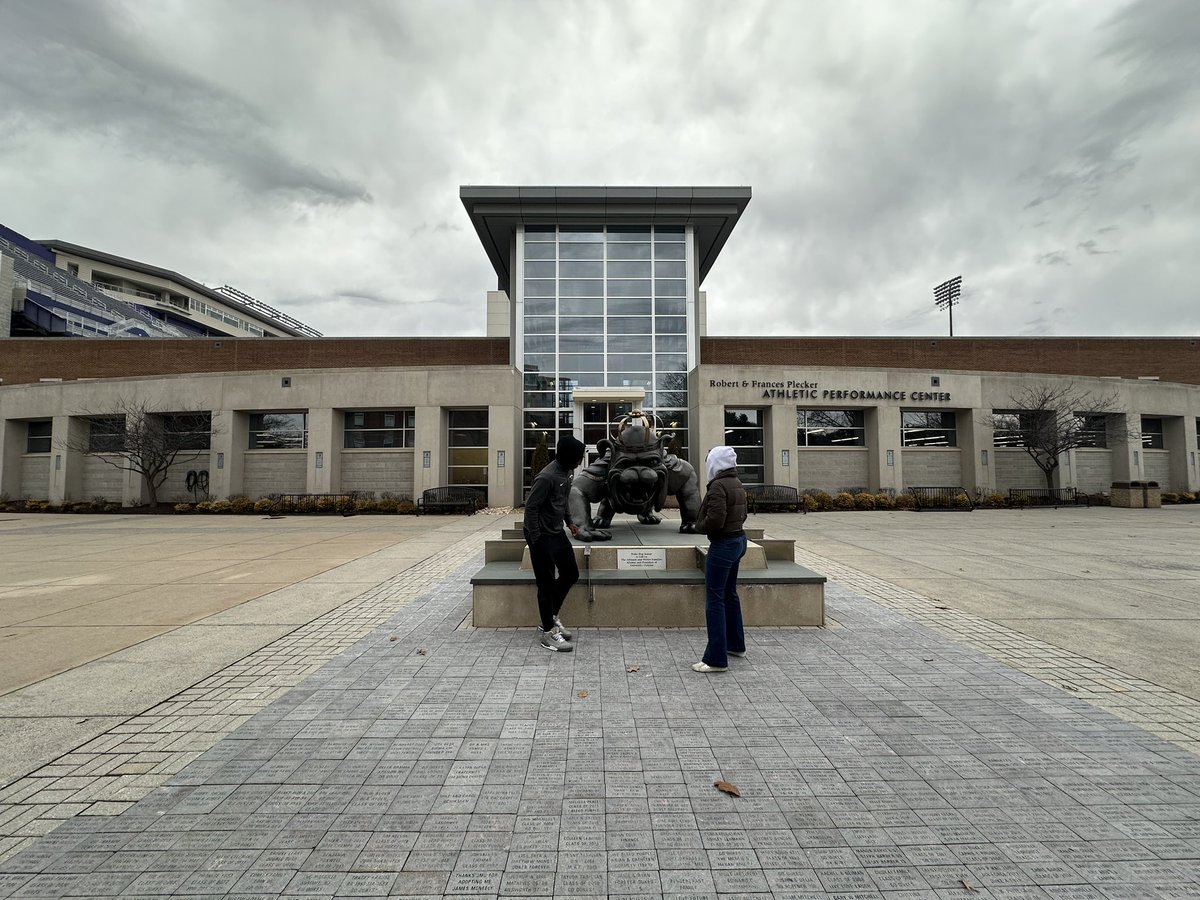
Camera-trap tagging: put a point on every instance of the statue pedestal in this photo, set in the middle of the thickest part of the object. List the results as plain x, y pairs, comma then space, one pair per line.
647, 576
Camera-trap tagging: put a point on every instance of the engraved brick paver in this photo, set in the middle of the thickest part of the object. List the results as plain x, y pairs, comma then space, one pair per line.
883, 757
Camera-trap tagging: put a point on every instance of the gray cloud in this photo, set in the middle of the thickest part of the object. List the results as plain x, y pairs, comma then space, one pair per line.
889, 146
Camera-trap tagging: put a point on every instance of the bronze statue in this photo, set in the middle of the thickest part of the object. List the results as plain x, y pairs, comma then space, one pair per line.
634, 474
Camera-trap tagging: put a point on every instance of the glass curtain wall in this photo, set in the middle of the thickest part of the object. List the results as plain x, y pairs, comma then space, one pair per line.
604, 306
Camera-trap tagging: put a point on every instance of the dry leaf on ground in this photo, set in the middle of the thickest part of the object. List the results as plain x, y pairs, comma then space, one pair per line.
422, 653
583, 695
393, 638
633, 668
727, 788
968, 886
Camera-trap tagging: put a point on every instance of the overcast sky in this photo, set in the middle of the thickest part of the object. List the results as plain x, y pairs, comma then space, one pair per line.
310, 152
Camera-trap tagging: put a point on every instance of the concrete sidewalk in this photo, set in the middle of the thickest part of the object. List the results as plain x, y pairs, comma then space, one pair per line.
895, 753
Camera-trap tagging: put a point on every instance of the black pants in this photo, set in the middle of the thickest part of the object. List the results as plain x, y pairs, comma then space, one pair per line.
553, 551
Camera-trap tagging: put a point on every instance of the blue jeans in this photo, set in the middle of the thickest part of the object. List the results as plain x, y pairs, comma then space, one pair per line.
722, 607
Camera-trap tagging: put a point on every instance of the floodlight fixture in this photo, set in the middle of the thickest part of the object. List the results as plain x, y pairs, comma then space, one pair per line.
945, 296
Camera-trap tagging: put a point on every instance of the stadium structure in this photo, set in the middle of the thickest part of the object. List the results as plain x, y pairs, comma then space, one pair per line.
598, 309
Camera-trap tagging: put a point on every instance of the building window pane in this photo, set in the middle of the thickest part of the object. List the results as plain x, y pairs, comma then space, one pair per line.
539, 325
37, 439
633, 268
537, 268
744, 433
830, 428
581, 251
629, 325
628, 251
670, 268
581, 325
581, 287
581, 268
1093, 430
668, 251
1152, 433
380, 428
106, 434
629, 306
539, 251
670, 306
670, 324
629, 287
539, 287
577, 234
540, 306
278, 431
187, 431
927, 428
670, 287
467, 448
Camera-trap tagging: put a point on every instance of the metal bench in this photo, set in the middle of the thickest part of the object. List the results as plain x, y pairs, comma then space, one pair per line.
1056, 497
765, 497
451, 499
944, 498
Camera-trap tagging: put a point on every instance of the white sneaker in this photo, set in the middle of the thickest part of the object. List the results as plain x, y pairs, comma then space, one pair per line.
553, 640
706, 668
562, 629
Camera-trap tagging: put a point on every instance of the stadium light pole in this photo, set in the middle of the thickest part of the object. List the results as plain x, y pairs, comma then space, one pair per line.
945, 296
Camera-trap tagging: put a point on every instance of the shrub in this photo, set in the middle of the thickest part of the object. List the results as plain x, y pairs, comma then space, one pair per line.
993, 500
824, 501
906, 501
387, 506
1170, 497
285, 505
962, 501
37, 505
364, 506
241, 505
263, 505
204, 506
221, 506
406, 507
184, 508
1187, 497
843, 501
884, 501
863, 500
810, 503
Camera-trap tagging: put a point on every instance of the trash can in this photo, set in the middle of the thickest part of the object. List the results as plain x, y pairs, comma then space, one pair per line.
1127, 495
1151, 495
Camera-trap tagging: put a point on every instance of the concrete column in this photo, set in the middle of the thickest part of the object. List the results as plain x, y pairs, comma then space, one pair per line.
66, 464
883, 437
504, 436
1175, 440
230, 437
324, 450
1125, 442
430, 435
1192, 445
13, 436
779, 434
974, 437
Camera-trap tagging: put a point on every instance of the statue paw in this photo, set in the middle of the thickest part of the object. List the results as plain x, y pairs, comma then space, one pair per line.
687, 528
593, 534
649, 519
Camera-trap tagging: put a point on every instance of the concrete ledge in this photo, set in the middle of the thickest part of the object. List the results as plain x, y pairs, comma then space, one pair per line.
785, 595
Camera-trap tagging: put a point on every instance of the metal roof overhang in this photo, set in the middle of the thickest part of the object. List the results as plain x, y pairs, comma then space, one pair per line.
497, 211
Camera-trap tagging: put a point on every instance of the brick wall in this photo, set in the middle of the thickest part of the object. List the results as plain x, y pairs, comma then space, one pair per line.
1171, 359
24, 360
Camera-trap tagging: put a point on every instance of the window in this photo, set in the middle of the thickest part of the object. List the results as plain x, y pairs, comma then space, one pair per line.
73, 269
187, 431
106, 435
379, 428
278, 431
927, 428
1092, 430
744, 433
1013, 428
37, 439
1152, 433
830, 428
467, 448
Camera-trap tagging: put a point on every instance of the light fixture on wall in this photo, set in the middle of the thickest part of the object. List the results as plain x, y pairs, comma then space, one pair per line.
785, 457
320, 459
983, 457
499, 459
891, 457
220, 460
426, 460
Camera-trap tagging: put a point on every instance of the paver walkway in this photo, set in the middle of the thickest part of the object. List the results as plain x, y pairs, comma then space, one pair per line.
875, 758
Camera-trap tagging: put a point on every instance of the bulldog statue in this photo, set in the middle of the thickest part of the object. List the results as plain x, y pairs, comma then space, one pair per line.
634, 474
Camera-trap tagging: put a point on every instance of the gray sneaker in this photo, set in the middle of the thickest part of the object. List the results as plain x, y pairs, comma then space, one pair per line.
553, 640
561, 628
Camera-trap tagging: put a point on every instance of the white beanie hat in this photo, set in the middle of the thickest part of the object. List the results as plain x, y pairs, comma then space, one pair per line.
720, 459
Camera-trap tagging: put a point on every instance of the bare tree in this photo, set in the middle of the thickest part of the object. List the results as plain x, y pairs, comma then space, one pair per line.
1047, 420
132, 437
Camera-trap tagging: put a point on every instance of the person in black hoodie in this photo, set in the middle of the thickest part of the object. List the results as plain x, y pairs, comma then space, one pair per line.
549, 547
722, 515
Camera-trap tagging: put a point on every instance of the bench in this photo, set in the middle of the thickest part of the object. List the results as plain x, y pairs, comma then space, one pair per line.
451, 499
951, 498
765, 497
1022, 497
310, 503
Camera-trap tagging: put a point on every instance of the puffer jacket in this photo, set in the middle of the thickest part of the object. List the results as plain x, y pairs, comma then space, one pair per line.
723, 510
